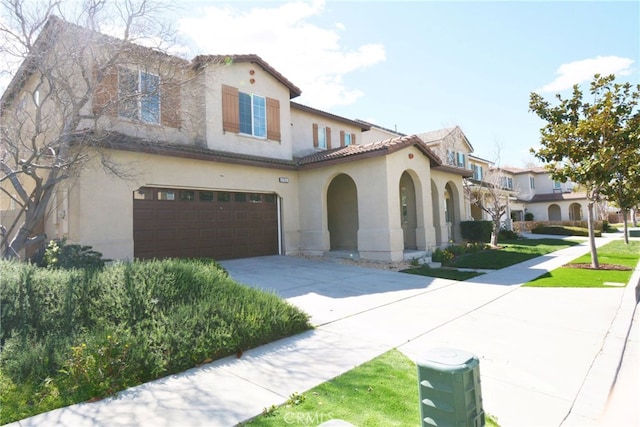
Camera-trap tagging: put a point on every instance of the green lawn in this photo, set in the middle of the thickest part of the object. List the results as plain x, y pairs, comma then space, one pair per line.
511, 252
616, 253
382, 392
442, 273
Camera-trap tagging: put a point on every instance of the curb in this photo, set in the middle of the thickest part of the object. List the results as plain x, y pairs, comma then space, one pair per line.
591, 400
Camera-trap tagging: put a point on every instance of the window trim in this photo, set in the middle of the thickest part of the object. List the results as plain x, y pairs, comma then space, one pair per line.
254, 115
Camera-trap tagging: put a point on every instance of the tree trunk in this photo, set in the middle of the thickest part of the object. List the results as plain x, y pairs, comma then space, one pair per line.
626, 226
592, 239
634, 212
496, 231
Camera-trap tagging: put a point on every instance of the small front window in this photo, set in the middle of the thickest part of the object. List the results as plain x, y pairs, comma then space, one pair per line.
347, 139
187, 195
166, 195
532, 182
253, 115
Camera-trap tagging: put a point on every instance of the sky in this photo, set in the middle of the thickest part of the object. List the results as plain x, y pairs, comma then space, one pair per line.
418, 66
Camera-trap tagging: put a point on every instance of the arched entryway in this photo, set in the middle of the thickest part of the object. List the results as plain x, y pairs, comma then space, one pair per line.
408, 215
575, 212
435, 205
554, 213
342, 213
449, 211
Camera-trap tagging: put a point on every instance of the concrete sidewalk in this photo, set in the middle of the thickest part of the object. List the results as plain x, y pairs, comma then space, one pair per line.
547, 356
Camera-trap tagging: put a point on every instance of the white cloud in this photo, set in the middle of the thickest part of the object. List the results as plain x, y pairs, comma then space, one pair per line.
582, 71
308, 55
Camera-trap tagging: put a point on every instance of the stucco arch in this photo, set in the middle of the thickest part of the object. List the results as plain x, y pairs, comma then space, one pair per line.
554, 212
410, 209
575, 212
452, 210
342, 213
435, 207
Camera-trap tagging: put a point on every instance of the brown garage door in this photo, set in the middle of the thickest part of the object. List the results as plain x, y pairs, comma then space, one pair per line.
175, 223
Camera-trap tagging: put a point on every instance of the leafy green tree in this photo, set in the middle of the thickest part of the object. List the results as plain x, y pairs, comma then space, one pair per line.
593, 143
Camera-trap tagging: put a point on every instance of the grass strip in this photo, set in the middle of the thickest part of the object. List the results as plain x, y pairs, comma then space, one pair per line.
511, 252
613, 253
442, 273
382, 392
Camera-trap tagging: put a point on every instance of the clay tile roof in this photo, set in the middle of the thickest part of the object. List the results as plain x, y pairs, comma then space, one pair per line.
202, 60
550, 197
379, 148
363, 126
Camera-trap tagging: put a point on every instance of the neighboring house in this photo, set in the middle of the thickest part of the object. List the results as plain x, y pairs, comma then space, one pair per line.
546, 199
225, 165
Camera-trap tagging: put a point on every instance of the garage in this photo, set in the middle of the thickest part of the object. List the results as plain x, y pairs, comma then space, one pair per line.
183, 223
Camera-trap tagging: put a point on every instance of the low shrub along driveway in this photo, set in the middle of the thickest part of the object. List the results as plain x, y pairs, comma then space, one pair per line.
72, 335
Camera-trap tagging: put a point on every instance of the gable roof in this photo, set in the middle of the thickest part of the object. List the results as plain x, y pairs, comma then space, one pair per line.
202, 60
362, 151
518, 171
436, 136
356, 123
373, 125
51, 30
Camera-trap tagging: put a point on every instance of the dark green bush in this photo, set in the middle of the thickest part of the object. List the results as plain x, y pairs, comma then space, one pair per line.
562, 230
450, 253
528, 216
505, 234
92, 332
60, 254
476, 231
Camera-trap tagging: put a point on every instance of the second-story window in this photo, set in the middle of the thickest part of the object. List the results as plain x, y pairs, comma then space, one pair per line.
557, 185
347, 139
477, 172
253, 114
322, 137
250, 114
532, 182
506, 182
138, 95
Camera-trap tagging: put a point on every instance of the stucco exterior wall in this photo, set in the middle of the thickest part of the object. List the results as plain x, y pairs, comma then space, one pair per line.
440, 179
540, 211
377, 180
238, 75
302, 131
101, 206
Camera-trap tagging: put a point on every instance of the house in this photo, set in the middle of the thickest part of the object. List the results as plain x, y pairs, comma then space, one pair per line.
220, 162
545, 198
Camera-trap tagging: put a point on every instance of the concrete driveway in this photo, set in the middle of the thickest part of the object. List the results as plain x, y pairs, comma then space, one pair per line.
547, 356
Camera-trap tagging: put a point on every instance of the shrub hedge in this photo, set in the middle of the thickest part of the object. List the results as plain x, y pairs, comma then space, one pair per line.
476, 231
91, 332
565, 230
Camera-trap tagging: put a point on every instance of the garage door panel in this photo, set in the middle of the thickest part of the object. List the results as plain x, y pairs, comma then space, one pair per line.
224, 215
205, 225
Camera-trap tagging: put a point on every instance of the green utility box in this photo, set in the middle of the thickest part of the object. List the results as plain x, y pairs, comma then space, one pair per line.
449, 389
